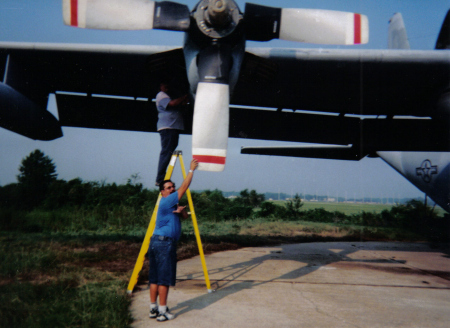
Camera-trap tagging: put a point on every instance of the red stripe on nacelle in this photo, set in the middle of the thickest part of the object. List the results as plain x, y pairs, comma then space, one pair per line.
210, 159
357, 22
74, 12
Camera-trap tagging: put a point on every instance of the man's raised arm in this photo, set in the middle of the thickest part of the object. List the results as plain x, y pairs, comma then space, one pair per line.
178, 101
185, 185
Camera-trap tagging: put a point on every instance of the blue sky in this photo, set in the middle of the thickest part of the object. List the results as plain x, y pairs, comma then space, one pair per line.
113, 156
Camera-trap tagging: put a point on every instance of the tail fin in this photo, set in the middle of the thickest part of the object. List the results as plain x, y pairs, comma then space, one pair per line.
443, 41
428, 171
397, 37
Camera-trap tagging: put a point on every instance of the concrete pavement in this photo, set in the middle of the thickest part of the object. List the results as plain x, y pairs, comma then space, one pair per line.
342, 284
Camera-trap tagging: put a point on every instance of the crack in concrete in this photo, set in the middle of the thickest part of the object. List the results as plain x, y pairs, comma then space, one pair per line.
323, 312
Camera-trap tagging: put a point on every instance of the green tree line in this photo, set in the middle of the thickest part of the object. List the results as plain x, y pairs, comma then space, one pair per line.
39, 201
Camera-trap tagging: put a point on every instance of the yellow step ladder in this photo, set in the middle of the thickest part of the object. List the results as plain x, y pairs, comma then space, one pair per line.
151, 227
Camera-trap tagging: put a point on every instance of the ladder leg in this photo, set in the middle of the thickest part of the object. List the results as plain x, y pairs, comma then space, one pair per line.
144, 249
197, 232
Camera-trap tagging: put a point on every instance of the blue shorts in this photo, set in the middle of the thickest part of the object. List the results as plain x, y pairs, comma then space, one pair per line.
162, 255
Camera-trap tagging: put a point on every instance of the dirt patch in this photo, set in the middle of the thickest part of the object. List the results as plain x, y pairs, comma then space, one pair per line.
121, 256
112, 257
6, 281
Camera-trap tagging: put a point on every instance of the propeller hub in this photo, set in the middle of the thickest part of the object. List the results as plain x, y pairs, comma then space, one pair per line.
217, 13
217, 18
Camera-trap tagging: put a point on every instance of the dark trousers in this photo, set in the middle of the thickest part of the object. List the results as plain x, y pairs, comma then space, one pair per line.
169, 142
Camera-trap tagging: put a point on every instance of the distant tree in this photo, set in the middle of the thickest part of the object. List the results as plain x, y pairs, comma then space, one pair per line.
256, 199
37, 173
270, 209
251, 198
210, 204
134, 179
293, 206
244, 195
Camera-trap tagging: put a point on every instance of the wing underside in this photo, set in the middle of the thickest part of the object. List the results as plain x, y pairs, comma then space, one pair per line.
112, 87
348, 153
361, 82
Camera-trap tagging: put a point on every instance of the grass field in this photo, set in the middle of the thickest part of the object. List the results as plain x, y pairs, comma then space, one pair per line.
350, 208
75, 275
63, 280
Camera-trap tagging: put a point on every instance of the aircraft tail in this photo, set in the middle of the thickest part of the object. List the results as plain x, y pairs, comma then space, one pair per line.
443, 41
397, 37
428, 171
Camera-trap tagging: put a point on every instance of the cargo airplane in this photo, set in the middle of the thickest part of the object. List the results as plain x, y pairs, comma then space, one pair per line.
333, 94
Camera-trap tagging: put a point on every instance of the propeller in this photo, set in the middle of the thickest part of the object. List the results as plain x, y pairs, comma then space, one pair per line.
210, 126
211, 109
126, 15
215, 45
305, 25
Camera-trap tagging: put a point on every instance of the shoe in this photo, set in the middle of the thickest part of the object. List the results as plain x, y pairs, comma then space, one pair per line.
164, 316
153, 313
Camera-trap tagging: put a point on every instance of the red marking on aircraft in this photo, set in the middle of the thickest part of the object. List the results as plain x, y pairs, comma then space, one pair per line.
74, 13
210, 159
357, 23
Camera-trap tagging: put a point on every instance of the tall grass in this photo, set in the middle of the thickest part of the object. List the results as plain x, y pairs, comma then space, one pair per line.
59, 304
23, 261
42, 284
120, 218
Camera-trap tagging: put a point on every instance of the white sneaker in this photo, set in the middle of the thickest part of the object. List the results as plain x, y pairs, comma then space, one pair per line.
153, 313
164, 316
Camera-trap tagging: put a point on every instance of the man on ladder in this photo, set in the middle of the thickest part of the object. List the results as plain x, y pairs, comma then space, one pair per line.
163, 251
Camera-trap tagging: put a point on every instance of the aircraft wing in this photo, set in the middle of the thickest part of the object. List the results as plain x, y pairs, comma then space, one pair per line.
111, 87
362, 82
96, 86
347, 153
369, 99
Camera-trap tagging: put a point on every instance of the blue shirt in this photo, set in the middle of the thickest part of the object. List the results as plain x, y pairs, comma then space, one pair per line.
168, 223
168, 118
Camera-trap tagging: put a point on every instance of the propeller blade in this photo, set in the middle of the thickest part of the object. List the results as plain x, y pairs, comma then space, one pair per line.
324, 26
305, 25
126, 14
210, 126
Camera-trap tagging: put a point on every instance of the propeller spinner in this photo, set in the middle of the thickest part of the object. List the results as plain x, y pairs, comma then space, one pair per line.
215, 47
